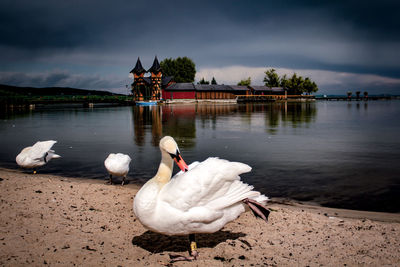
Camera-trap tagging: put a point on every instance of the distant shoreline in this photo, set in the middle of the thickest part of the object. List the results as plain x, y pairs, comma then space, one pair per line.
14, 97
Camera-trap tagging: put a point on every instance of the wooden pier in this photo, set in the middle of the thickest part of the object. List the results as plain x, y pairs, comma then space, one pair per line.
354, 98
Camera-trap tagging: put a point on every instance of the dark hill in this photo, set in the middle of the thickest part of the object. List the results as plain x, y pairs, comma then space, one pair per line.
9, 90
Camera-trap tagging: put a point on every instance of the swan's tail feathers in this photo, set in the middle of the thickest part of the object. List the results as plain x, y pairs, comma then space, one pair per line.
236, 193
50, 155
55, 156
257, 208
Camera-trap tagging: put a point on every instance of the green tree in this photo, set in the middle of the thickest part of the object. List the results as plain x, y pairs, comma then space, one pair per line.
271, 78
168, 67
309, 86
314, 87
295, 85
213, 81
245, 82
284, 82
202, 81
182, 69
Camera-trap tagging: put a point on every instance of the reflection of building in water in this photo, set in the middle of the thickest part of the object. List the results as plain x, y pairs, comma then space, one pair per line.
214, 110
179, 121
143, 117
210, 112
156, 126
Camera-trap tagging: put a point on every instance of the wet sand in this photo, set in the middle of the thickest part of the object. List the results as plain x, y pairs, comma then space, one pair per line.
59, 221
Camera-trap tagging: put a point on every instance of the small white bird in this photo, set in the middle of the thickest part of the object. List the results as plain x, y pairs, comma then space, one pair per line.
117, 165
201, 199
37, 155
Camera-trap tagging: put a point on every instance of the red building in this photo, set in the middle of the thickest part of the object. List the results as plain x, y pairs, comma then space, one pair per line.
179, 91
203, 91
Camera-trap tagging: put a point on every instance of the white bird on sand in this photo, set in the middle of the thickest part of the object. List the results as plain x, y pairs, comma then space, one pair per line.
37, 155
117, 165
201, 199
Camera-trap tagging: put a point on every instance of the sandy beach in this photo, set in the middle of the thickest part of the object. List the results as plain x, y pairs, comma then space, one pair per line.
59, 221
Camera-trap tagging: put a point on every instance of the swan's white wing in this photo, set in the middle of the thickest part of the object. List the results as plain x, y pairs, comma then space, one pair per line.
212, 184
191, 166
39, 149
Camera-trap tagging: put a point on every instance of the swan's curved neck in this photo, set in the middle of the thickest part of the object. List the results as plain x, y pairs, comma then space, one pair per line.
164, 172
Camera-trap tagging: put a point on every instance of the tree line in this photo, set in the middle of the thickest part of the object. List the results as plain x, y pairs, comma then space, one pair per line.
294, 85
203, 81
183, 70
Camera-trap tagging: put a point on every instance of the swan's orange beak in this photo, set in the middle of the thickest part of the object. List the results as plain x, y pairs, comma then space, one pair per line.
181, 163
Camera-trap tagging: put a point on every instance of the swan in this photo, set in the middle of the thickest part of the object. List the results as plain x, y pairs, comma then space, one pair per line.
37, 155
202, 198
117, 165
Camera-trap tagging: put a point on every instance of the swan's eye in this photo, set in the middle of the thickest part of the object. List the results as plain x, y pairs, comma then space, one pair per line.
176, 156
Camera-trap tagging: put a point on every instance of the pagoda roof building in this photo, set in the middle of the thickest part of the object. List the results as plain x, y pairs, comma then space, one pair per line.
156, 66
138, 69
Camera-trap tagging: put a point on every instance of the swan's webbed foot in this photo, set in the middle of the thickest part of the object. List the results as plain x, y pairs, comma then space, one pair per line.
123, 180
174, 257
110, 180
192, 251
194, 254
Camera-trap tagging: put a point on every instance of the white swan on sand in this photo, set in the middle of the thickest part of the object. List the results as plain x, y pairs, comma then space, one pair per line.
37, 155
201, 199
117, 165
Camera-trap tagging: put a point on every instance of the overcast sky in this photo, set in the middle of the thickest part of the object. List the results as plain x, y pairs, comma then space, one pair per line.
342, 45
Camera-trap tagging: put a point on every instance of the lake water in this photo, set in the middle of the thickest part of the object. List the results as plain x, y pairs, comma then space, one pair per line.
337, 154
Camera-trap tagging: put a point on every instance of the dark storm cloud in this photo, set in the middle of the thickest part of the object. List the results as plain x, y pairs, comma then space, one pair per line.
41, 24
347, 36
32, 25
